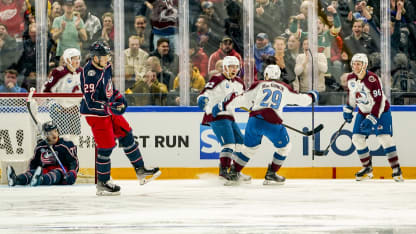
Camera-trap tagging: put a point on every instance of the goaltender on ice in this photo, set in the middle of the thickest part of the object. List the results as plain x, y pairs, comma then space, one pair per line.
44, 168
103, 107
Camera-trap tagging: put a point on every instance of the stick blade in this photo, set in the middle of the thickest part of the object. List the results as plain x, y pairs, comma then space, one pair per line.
315, 130
321, 152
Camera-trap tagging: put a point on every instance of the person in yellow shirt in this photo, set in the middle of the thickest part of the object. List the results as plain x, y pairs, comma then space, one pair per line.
153, 92
197, 80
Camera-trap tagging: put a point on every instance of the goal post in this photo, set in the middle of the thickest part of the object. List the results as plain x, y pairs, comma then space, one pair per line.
19, 135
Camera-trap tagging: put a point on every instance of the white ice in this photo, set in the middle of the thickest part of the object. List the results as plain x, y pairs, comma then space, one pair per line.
206, 206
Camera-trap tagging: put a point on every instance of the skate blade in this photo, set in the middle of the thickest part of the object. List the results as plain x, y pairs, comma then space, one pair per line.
231, 183
107, 193
272, 182
398, 178
365, 177
144, 181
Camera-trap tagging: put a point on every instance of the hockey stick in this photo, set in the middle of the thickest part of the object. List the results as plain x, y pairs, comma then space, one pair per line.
313, 106
325, 152
36, 122
308, 133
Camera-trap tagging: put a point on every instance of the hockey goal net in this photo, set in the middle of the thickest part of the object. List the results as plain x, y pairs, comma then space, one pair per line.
19, 134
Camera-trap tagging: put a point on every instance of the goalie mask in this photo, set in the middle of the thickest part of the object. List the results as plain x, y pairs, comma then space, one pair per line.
230, 66
362, 58
272, 72
50, 131
67, 57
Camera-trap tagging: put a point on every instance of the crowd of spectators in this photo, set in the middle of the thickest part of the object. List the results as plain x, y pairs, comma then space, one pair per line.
344, 27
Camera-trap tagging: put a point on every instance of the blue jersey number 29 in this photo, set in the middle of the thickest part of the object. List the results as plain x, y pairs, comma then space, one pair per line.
272, 99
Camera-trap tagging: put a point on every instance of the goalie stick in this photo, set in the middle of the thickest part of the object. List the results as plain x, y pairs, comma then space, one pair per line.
37, 123
325, 152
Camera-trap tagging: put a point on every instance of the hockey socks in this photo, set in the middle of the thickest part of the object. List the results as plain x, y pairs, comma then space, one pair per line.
365, 157
225, 157
277, 162
131, 149
103, 164
52, 177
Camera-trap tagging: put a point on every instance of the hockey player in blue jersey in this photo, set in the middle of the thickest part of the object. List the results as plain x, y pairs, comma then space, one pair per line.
265, 99
44, 168
103, 107
223, 125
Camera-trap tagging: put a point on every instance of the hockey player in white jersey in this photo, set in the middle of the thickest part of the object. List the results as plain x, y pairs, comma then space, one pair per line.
223, 125
374, 117
265, 99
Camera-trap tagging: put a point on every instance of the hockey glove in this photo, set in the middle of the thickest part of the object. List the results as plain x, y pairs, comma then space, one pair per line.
70, 177
314, 95
115, 108
217, 109
202, 102
368, 124
348, 113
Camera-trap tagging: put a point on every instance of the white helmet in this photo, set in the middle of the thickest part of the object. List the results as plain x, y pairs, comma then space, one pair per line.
272, 72
229, 61
360, 57
68, 54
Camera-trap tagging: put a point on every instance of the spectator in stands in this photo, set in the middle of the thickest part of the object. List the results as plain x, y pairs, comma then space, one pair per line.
217, 70
8, 49
10, 83
204, 35
68, 29
196, 80
92, 24
168, 60
365, 13
27, 61
163, 76
234, 26
107, 32
291, 53
357, 42
269, 17
299, 21
12, 16
153, 90
135, 60
262, 49
143, 32
164, 21
283, 61
56, 11
29, 81
199, 58
213, 20
301, 83
226, 49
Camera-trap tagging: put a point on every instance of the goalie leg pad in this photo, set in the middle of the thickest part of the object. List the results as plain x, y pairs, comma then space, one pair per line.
103, 164
131, 149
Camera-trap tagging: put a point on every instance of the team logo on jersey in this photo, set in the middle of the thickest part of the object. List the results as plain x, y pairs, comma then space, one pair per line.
109, 90
371, 79
69, 80
91, 73
361, 97
47, 158
227, 85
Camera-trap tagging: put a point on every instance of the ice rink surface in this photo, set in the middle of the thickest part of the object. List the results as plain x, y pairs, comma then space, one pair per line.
206, 206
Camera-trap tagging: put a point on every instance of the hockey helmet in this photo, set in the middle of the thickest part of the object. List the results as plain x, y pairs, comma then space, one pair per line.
49, 126
360, 57
230, 61
272, 72
99, 48
69, 53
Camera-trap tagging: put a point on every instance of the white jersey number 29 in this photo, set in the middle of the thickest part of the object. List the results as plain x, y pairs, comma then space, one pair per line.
272, 99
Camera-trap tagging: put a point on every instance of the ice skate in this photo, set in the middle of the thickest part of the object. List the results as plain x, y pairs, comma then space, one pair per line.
271, 178
142, 173
37, 177
223, 172
234, 177
11, 176
364, 174
245, 178
397, 175
107, 188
